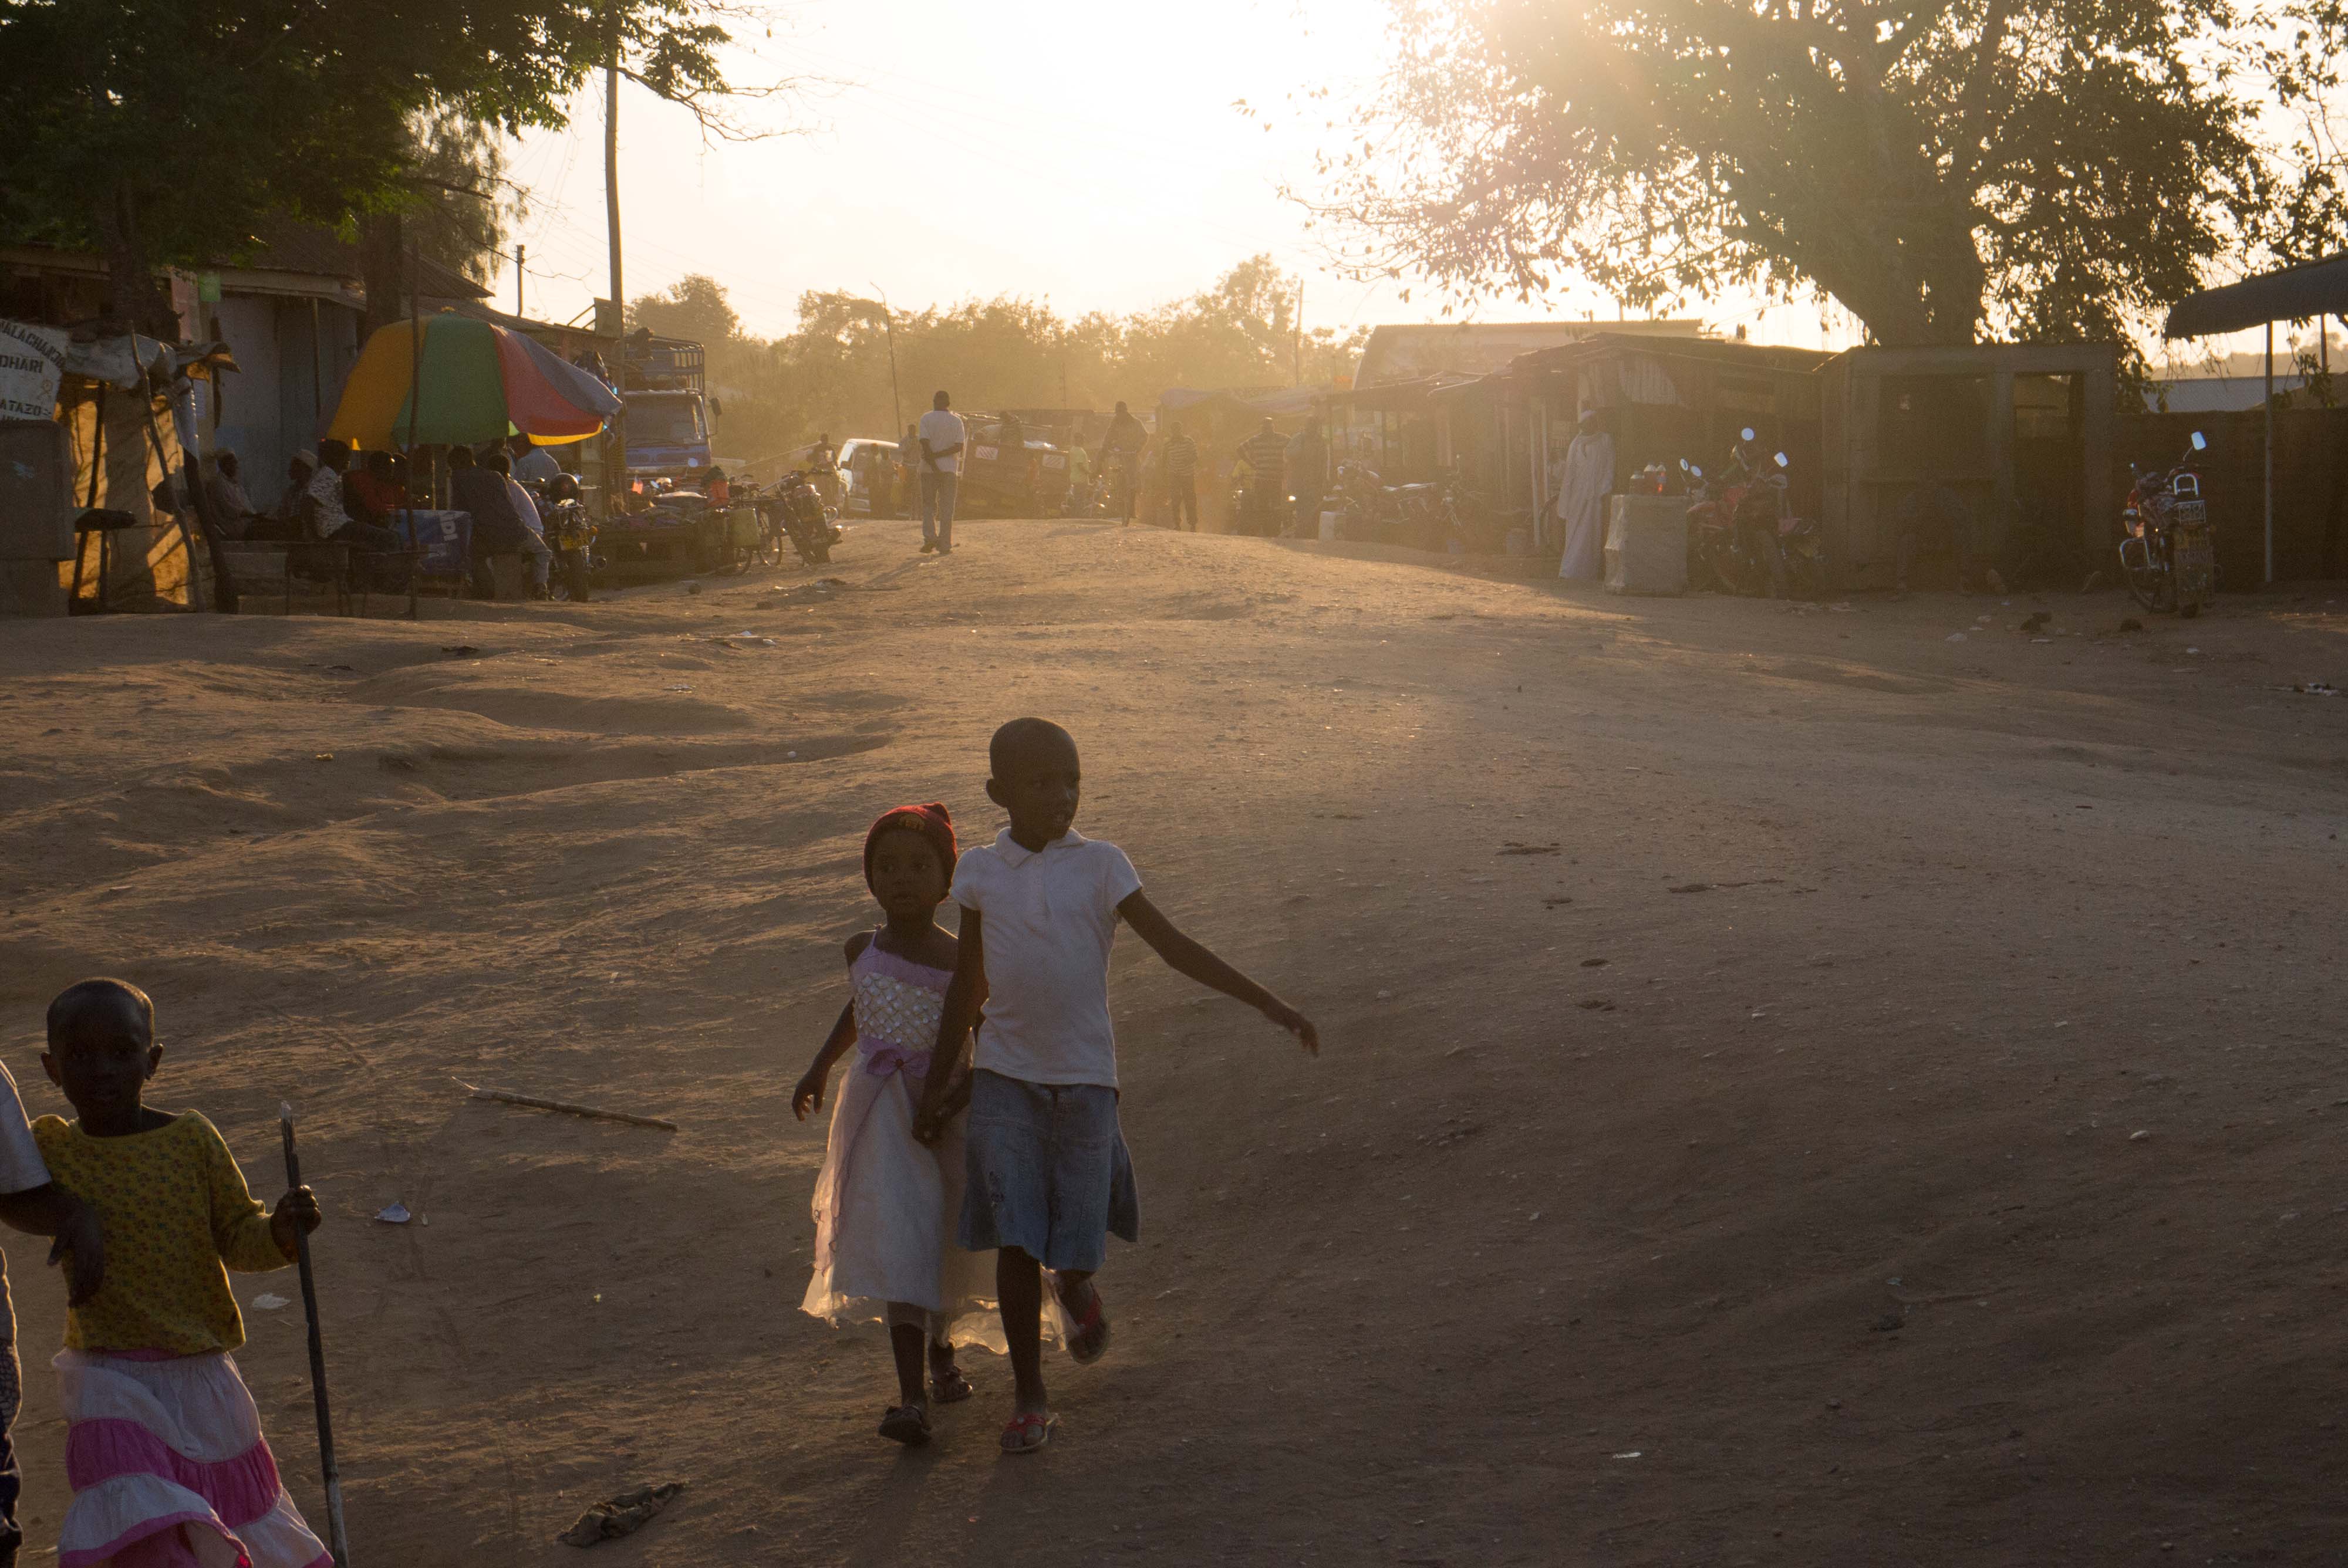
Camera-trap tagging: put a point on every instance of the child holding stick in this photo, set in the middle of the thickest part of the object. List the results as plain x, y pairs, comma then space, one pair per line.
163, 1446
884, 1206
1049, 1176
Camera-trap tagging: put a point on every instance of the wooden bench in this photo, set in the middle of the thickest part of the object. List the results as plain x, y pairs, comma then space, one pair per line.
272, 567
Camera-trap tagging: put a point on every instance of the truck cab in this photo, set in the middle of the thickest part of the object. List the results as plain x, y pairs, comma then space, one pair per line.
664, 390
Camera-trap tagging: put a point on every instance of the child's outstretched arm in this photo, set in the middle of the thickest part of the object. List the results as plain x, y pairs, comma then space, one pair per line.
808, 1095
964, 993
1193, 958
49, 1210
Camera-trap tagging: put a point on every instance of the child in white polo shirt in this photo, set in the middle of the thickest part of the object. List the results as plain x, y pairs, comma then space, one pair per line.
1049, 1176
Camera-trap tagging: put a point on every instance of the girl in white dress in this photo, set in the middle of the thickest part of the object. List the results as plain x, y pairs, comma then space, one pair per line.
885, 1205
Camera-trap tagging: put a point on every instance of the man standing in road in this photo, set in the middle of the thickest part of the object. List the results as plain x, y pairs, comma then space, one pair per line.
940, 438
1182, 478
1266, 453
1308, 477
1121, 452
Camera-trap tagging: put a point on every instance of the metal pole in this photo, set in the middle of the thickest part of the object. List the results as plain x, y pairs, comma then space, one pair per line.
611, 163
2271, 451
888, 323
522, 256
338, 1539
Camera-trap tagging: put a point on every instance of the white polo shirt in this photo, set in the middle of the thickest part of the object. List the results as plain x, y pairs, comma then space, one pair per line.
942, 429
1047, 920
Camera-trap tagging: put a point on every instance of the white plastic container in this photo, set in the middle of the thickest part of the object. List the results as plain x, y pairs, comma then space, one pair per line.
1329, 521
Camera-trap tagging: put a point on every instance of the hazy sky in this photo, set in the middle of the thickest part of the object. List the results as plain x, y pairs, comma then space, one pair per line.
1089, 153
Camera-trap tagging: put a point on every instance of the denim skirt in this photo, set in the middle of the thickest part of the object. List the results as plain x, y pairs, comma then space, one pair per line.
1049, 1173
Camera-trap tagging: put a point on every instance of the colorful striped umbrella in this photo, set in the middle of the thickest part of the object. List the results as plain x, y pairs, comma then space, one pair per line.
478, 381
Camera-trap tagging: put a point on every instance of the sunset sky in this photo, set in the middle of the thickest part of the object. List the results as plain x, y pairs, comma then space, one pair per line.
1090, 154
1087, 153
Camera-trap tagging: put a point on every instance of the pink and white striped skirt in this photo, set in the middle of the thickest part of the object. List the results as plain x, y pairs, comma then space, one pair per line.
169, 1469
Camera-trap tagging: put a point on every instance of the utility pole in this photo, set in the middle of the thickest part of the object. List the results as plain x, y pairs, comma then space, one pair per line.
611, 159
1296, 355
612, 476
521, 255
888, 323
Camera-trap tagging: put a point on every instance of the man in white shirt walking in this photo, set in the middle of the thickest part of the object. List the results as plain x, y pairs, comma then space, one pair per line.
940, 435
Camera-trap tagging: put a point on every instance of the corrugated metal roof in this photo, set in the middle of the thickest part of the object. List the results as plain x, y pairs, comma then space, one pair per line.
2305, 292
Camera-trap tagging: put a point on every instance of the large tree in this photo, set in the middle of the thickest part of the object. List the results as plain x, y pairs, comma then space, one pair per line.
162, 132
2039, 169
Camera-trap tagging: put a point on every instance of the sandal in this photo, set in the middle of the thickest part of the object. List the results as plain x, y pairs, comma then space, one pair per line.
907, 1424
948, 1386
1025, 1434
1089, 1335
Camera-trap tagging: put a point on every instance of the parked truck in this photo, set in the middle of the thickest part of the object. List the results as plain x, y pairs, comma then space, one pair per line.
664, 390
663, 524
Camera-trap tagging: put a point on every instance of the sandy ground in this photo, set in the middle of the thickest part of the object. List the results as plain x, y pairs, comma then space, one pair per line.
1897, 1124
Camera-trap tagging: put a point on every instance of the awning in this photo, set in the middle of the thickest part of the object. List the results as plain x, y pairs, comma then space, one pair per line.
2310, 289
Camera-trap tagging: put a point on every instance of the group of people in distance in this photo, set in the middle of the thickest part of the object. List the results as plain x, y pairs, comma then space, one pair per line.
976, 1112
931, 456
1277, 480
329, 495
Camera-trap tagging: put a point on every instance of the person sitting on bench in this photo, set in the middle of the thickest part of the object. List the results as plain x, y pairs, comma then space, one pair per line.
327, 518
498, 527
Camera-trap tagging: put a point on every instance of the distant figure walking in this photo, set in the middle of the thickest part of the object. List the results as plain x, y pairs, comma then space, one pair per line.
1121, 455
1049, 1177
1308, 477
1183, 478
940, 438
1266, 454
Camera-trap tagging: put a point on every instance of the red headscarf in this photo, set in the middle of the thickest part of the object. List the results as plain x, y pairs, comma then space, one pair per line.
933, 822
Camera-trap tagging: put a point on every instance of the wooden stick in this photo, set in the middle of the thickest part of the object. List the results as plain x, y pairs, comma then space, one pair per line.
338, 1539
568, 1108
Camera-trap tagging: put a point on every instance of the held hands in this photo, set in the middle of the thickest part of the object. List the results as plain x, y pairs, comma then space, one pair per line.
296, 1215
80, 1246
808, 1095
929, 1120
1295, 1024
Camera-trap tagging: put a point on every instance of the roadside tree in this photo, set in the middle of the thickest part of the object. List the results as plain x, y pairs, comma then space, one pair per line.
2024, 168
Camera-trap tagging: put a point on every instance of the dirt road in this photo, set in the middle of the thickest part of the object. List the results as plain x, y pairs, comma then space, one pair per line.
1799, 1087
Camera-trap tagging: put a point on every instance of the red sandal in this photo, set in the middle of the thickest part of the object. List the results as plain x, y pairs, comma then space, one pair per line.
1088, 1334
1017, 1429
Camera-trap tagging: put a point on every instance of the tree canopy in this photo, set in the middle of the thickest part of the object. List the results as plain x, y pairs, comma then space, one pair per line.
162, 131
1945, 168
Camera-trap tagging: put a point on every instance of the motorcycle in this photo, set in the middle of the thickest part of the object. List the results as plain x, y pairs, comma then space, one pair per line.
1748, 539
2168, 556
571, 536
1422, 516
796, 508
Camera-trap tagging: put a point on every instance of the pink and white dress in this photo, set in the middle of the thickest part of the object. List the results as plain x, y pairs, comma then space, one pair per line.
169, 1469
885, 1205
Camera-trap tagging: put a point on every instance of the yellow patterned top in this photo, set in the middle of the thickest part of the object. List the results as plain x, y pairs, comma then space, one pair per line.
175, 1208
